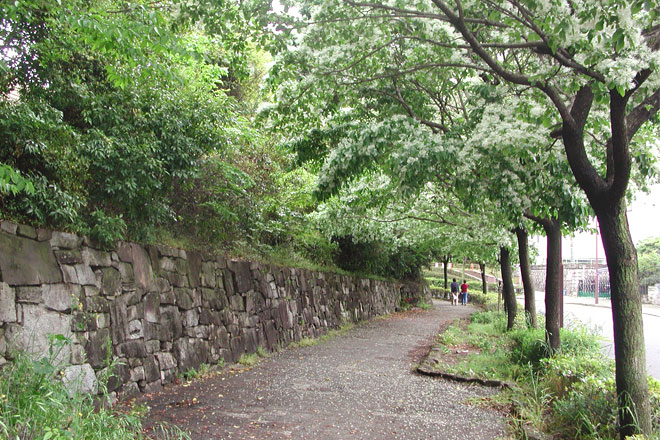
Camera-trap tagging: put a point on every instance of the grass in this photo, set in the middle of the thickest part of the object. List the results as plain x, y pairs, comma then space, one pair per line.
305, 342
204, 370
425, 306
36, 404
250, 359
570, 396
330, 334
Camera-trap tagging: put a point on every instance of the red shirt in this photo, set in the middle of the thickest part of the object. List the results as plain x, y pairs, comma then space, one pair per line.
464, 287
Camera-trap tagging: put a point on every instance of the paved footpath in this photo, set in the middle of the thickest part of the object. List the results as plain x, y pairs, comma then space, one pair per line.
359, 385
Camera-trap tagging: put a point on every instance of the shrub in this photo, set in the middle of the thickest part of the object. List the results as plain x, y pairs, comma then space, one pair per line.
106, 229
579, 339
36, 404
488, 317
563, 370
528, 346
588, 410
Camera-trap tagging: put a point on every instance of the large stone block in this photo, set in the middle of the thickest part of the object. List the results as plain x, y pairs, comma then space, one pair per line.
194, 268
251, 340
38, 324
152, 346
96, 258
28, 294
135, 329
176, 279
242, 275
166, 361
8, 227
151, 370
208, 316
110, 281
66, 256
61, 297
27, 262
132, 349
168, 298
126, 274
285, 315
162, 285
69, 274
228, 282
144, 276
220, 337
237, 303
64, 240
137, 374
181, 265
119, 319
125, 252
208, 274
237, 345
85, 275
96, 304
170, 322
198, 332
167, 264
7, 304
96, 347
190, 318
120, 375
167, 251
44, 234
190, 353
184, 298
155, 331
80, 379
152, 307
215, 298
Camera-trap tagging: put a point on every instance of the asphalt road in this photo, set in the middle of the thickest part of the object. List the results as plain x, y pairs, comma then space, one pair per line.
600, 317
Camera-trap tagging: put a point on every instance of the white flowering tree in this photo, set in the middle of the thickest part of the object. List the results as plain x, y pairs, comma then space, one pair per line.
435, 224
590, 67
528, 177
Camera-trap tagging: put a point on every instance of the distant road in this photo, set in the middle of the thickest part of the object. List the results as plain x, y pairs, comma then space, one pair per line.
600, 316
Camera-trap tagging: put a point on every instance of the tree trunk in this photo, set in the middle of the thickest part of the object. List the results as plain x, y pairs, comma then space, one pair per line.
484, 282
445, 261
508, 292
526, 273
552, 284
630, 356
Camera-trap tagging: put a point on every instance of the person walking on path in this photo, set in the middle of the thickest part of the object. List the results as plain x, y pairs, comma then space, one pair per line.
454, 292
464, 293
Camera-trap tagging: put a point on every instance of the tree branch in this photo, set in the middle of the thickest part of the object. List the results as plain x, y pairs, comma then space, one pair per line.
414, 13
621, 159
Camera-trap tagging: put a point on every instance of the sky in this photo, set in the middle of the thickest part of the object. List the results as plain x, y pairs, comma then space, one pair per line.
643, 219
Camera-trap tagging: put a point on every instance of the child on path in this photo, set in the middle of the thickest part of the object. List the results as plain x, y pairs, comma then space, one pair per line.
464, 293
454, 293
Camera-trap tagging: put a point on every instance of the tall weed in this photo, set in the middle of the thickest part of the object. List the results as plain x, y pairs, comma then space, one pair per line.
36, 404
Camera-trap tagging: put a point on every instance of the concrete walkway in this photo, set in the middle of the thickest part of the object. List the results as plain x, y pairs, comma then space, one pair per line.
359, 385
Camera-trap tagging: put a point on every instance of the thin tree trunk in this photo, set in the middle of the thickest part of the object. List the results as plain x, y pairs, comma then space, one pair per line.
508, 292
484, 282
445, 261
552, 284
526, 273
630, 356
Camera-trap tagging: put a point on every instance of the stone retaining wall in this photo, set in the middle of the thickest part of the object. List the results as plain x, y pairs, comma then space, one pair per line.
161, 311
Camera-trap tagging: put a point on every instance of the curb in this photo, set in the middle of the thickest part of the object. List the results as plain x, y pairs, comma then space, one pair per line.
456, 378
606, 306
653, 312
